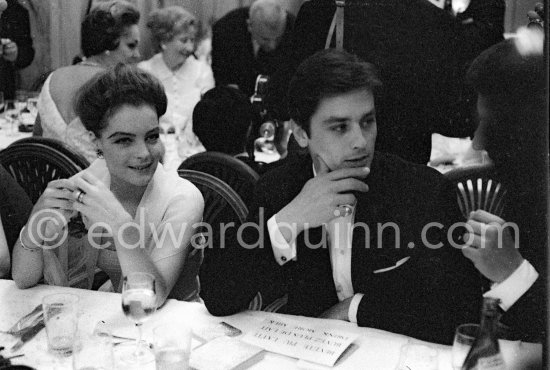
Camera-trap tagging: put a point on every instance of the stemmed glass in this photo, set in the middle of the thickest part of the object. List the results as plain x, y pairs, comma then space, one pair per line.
139, 302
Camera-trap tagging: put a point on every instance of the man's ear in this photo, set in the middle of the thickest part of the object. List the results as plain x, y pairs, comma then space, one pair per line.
299, 134
94, 139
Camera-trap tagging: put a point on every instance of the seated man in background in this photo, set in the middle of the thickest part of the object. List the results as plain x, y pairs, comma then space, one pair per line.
222, 119
346, 232
247, 42
511, 81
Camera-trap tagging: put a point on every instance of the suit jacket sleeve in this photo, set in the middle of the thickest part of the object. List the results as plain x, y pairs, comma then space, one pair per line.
526, 318
246, 265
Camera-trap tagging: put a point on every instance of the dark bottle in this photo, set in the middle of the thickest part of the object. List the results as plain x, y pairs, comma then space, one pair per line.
485, 352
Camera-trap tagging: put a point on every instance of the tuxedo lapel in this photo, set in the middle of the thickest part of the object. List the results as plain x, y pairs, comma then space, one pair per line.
374, 239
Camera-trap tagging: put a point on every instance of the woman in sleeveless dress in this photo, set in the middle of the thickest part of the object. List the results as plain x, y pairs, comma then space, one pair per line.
125, 213
110, 35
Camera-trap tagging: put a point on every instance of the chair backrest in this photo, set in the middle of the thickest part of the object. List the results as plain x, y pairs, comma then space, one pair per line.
222, 205
237, 174
218, 195
478, 187
34, 162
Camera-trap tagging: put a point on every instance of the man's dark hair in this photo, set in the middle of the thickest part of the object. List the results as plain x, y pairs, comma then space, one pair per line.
122, 85
511, 78
327, 73
221, 120
105, 24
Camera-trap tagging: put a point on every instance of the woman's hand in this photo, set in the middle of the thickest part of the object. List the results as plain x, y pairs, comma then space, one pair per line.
98, 203
52, 211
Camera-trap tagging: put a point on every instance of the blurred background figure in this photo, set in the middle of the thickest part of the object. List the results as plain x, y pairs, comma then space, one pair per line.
15, 208
422, 53
182, 74
247, 42
16, 50
109, 35
511, 81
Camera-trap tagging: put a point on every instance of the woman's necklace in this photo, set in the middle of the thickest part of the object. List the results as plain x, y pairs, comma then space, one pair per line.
90, 63
96, 62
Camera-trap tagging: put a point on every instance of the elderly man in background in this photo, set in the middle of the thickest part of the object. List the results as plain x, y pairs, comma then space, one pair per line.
16, 49
247, 42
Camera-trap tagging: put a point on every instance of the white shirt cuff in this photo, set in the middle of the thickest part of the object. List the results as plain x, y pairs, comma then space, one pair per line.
354, 306
283, 250
511, 289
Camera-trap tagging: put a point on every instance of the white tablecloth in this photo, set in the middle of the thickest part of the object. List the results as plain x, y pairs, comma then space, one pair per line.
377, 349
7, 138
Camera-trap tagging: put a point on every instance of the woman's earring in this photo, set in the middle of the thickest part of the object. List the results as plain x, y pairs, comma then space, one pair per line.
99, 153
163, 47
107, 52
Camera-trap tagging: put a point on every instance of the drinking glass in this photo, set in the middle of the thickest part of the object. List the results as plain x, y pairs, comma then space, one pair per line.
32, 103
139, 302
11, 115
465, 336
61, 319
172, 344
94, 351
418, 357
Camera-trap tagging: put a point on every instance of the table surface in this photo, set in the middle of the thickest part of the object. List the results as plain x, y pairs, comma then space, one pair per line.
376, 349
7, 137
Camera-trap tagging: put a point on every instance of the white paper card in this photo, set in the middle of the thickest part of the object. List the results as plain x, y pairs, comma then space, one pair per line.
223, 353
318, 344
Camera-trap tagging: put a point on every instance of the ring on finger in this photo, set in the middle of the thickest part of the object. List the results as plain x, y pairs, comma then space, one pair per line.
343, 210
80, 196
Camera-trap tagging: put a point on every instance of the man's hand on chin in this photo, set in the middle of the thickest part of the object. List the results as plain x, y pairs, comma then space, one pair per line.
339, 311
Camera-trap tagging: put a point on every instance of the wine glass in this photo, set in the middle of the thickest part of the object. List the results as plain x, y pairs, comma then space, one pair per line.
139, 302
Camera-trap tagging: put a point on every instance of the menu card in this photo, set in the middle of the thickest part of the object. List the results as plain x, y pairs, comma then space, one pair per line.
306, 341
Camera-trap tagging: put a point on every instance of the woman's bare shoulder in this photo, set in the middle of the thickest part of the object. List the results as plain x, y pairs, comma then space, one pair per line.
64, 85
71, 78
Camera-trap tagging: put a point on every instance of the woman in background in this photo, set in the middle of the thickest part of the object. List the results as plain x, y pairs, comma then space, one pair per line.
138, 217
184, 77
110, 35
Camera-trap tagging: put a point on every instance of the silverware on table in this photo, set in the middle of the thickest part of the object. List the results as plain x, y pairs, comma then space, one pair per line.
27, 335
27, 321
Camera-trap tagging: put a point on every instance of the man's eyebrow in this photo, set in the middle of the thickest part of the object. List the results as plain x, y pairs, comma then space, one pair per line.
340, 119
120, 133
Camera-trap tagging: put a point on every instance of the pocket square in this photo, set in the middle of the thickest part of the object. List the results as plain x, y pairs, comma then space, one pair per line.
397, 264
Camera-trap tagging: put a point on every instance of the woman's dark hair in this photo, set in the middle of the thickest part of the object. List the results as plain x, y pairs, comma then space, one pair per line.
105, 24
122, 85
326, 73
221, 120
168, 22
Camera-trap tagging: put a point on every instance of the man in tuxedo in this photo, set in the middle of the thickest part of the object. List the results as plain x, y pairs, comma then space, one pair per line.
247, 42
16, 50
513, 128
344, 231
